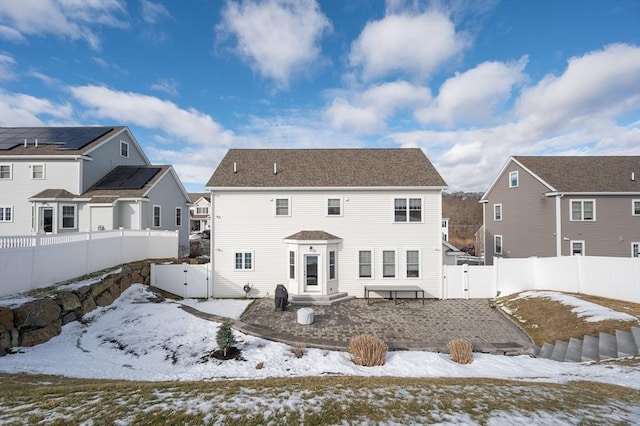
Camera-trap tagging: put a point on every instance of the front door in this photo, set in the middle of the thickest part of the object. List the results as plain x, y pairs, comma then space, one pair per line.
311, 278
46, 219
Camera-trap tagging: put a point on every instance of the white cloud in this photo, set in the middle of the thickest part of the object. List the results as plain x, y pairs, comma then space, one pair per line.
605, 82
473, 96
414, 45
152, 13
188, 125
168, 86
278, 38
73, 19
368, 111
25, 110
6, 64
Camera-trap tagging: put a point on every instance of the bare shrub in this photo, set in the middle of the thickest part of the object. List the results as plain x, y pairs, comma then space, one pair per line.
260, 365
461, 351
298, 351
368, 351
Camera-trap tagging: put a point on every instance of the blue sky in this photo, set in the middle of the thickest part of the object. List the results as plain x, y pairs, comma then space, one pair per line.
469, 82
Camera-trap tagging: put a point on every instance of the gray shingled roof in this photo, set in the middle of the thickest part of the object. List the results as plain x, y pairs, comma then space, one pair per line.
195, 196
53, 194
586, 174
325, 168
49, 149
312, 236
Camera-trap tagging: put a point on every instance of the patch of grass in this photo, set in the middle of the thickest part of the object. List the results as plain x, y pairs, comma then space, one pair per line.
547, 320
26, 399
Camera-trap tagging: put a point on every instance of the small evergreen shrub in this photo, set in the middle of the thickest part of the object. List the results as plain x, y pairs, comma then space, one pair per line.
461, 351
368, 351
225, 338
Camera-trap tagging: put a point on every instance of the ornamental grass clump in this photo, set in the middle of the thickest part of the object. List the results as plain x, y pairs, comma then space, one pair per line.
461, 351
225, 338
368, 351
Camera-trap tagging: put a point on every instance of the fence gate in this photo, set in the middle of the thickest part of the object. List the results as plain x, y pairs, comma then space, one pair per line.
184, 280
468, 282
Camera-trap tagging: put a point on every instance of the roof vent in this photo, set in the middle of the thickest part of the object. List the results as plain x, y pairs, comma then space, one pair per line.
36, 143
275, 168
235, 167
633, 176
25, 143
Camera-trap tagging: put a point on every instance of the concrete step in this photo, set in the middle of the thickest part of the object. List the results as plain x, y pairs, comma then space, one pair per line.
626, 344
607, 346
559, 350
574, 350
546, 350
319, 300
590, 349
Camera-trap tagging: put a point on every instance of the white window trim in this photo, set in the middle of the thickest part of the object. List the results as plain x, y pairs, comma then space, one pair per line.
244, 252
495, 245
584, 247
407, 199
335, 265
123, 143
44, 171
179, 209
636, 244
153, 216
3, 220
395, 266
495, 216
326, 204
75, 216
289, 264
373, 264
10, 171
275, 206
517, 175
633, 207
581, 201
204, 210
419, 264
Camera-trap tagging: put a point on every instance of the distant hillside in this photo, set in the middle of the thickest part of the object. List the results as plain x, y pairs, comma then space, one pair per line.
465, 216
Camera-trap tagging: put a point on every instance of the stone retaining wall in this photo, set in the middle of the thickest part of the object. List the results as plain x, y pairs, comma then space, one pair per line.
39, 320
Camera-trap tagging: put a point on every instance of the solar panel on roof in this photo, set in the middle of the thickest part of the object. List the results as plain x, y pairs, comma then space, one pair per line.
66, 137
4, 146
128, 178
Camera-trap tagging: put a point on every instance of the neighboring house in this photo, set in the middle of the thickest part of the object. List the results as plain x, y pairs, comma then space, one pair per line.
445, 228
199, 211
561, 206
325, 221
75, 179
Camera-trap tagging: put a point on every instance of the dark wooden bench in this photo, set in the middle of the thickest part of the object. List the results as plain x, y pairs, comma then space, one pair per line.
393, 291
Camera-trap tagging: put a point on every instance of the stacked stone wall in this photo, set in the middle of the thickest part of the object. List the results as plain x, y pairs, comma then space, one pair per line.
39, 320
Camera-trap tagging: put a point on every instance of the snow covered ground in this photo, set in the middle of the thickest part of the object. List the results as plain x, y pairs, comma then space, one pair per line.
136, 340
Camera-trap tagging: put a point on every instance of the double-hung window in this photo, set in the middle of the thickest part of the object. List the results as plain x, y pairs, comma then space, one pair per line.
365, 264
68, 217
202, 210
635, 207
6, 214
583, 210
388, 263
6, 171
635, 249
282, 207
513, 180
407, 210
332, 265
156, 216
292, 265
124, 149
178, 216
497, 212
497, 244
37, 171
334, 206
243, 261
413, 263
577, 248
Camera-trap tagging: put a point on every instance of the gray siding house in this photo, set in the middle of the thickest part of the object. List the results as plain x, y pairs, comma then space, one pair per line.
560, 206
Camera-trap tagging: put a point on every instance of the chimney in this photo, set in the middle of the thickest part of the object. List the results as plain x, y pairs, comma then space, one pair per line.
235, 167
275, 168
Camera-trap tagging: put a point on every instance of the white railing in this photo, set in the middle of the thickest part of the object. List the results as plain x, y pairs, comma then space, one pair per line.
37, 261
610, 277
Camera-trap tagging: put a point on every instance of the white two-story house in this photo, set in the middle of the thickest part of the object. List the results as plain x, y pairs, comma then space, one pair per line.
199, 211
325, 221
77, 179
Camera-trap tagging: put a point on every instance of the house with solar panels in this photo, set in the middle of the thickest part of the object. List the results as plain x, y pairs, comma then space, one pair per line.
77, 179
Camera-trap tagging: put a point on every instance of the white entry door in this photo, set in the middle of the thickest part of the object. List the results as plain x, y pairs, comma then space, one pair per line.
311, 273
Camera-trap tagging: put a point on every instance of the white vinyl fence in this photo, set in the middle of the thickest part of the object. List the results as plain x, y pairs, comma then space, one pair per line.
37, 261
188, 281
611, 277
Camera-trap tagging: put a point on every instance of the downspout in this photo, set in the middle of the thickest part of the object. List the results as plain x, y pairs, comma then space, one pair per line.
559, 224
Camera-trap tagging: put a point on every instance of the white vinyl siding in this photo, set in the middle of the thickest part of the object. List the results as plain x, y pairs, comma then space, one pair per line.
583, 210
243, 260
513, 180
497, 244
